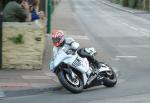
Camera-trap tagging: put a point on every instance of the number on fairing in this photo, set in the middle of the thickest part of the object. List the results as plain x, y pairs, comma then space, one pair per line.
77, 62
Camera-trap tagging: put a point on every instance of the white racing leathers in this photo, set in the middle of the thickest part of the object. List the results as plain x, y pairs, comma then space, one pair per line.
63, 54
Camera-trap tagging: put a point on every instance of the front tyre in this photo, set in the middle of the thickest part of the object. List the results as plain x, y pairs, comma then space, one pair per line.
74, 86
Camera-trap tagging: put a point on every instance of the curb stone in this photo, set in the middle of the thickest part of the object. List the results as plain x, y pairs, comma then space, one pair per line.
126, 9
2, 94
30, 91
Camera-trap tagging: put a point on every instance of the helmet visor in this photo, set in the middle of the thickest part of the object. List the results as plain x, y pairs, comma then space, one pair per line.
56, 40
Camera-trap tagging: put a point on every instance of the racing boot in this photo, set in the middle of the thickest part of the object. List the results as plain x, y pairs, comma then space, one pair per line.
92, 72
91, 76
97, 64
89, 72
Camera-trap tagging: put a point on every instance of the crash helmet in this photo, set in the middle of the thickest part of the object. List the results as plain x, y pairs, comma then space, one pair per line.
58, 37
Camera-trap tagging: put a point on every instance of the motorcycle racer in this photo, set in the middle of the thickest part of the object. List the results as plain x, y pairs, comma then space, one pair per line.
60, 41
77, 68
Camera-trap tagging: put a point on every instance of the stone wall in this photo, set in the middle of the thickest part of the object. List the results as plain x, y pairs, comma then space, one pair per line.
23, 45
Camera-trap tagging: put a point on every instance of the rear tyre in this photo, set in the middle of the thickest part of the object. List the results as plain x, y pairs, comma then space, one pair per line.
74, 86
110, 78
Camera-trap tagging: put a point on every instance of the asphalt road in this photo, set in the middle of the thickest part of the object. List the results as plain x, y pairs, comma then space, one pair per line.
121, 37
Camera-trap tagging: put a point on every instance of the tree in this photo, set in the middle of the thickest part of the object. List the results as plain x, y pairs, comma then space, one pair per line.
124, 2
146, 4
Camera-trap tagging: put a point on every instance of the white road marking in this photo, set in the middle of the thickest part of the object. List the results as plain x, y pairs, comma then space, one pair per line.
117, 58
35, 77
134, 46
15, 84
50, 74
143, 31
134, 28
120, 81
126, 24
78, 37
38, 85
116, 71
2, 94
126, 57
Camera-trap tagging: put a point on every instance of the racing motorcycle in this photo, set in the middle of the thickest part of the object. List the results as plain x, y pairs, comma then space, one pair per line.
66, 64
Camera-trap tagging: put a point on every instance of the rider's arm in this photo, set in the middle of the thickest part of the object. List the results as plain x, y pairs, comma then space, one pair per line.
73, 44
55, 51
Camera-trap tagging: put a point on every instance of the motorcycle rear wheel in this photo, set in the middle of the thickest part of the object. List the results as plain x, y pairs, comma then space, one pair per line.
72, 87
110, 78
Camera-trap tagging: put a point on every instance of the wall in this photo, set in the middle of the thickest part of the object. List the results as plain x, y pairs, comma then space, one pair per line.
26, 53
146, 4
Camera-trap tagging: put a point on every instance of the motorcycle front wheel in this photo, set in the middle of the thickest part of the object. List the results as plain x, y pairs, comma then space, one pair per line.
74, 86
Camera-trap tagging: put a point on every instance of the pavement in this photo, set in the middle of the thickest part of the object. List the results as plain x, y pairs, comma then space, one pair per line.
14, 83
30, 82
27, 82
